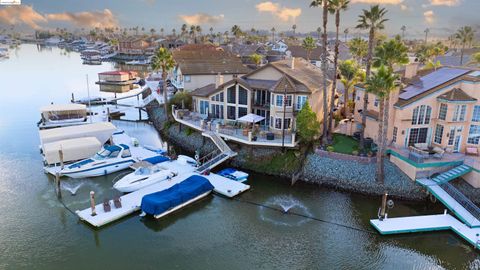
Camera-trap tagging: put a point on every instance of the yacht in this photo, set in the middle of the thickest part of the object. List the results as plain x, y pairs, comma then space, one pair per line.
110, 159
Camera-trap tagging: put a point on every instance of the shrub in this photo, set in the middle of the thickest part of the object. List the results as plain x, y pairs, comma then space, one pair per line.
179, 97
355, 152
330, 148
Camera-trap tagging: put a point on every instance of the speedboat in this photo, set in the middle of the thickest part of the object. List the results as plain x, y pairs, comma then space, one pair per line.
112, 158
234, 174
144, 176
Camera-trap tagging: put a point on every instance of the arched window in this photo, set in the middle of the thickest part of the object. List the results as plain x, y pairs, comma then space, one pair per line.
421, 115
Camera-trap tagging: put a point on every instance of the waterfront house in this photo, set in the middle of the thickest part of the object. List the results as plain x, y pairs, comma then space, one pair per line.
133, 45
116, 81
245, 51
276, 91
433, 117
198, 64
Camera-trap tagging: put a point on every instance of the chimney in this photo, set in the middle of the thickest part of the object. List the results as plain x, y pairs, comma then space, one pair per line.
218, 80
291, 64
411, 70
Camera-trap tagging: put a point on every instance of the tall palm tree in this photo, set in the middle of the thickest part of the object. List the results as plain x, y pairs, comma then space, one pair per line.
465, 36
319, 32
152, 31
174, 32
372, 20
198, 29
335, 7
324, 5
391, 53
294, 27
211, 32
273, 34
192, 33
236, 31
426, 34
381, 83
161, 31
163, 60
350, 74
403, 28
358, 48
183, 31
309, 44
346, 34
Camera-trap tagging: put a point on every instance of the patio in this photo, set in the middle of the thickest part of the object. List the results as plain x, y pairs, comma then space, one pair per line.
235, 131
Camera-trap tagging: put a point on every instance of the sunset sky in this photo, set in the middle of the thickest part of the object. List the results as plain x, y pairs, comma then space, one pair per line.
441, 16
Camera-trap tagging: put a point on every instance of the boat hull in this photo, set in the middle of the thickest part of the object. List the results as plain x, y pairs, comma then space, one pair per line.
94, 172
178, 207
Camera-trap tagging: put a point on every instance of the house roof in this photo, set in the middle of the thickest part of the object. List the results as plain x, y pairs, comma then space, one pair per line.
195, 59
115, 73
244, 50
205, 91
299, 51
456, 94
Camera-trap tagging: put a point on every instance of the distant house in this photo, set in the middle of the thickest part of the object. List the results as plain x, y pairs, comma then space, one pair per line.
116, 81
198, 65
279, 46
276, 91
315, 56
169, 43
244, 51
133, 45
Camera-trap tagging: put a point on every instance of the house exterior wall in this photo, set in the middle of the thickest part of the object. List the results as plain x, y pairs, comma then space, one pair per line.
192, 82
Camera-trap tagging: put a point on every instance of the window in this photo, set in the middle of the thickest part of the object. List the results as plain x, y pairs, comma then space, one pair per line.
476, 114
231, 112
271, 121
459, 113
187, 78
204, 107
451, 135
376, 102
438, 134
279, 101
417, 135
421, 115
217, 111
288, 101
242, 111
301, 100
474, 134
221, 97
242, 96
287, 123
231, 97
271, 99
442, 113
395, 131
278, 123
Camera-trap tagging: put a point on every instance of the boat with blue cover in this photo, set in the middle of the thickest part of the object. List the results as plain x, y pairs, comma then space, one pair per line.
112, 158
234, 174
164, 202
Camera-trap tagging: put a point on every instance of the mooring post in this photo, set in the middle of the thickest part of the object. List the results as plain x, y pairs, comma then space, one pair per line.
57, 185
60, 156
108, 114
384, 206
92, 202
73, 98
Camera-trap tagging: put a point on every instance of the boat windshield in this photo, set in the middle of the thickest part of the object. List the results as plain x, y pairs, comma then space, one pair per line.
104, 154
142, 171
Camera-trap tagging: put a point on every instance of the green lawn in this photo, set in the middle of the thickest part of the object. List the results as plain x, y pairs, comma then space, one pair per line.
344, 144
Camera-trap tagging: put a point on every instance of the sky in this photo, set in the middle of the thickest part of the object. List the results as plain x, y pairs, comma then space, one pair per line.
442, 17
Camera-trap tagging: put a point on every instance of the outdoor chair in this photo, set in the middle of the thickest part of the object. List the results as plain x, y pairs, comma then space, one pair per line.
471, 151
117, 201
106, 206
438, 152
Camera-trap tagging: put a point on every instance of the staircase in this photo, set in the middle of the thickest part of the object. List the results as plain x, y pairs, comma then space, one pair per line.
452, 174
216, 157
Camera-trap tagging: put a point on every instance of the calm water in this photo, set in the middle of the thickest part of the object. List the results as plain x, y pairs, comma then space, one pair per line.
37, 232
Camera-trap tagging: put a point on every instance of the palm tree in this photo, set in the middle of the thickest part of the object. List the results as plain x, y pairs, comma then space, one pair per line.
464, 35
184, 31
381, 83
211, 32
192, 33
294, 27
174, 32
475, 60
309, 44
152, 31
403, 28
358, 48
198, 29
350, 74
335, 6
319, 32
372, 20
391, 53
161, 31
257, 59
426, 34
236, 31
324, 5
273, 34
346, 34
163, 60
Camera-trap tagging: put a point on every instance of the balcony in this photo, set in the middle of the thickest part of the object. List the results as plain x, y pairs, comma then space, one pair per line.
230, 130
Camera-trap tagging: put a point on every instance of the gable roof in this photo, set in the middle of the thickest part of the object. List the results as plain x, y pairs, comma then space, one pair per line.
299, 51
456, 94
205, 91
195, 59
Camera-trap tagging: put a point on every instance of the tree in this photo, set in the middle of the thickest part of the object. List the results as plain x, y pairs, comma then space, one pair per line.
346, 34
426, 54
294, 27
319, 32
183, 31
211, 32
257, 59
391, 53
192, 33
236, 31
335, 7
358, 48
324, 5
403, 28
381, 83
309, 44
426, 35
475, 59
350, 74
174, 32
308, 127
163, 60
161, 31
152, 31
372, 20
465, 36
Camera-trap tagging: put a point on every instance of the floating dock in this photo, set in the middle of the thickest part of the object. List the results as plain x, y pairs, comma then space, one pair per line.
131, 202
427, 223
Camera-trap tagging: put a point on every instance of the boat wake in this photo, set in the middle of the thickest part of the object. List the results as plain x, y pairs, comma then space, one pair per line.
284, 205
71, 187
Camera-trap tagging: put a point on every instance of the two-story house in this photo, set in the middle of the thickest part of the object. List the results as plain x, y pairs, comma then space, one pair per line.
276, 91
199, 64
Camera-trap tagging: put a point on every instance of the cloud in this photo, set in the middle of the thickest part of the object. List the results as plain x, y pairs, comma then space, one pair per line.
449, 3
14, 15
91, 19
403, 7
385, 2
202, 18
283, 13
429, 16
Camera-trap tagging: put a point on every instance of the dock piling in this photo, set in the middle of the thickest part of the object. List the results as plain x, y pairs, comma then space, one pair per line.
383, 208
73, 98
60, 156
92, 202
108, 114
57, 185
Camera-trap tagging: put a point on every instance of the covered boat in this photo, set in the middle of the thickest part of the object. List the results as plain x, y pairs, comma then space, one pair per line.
164, 202
72, 150
101, 130
234, 174
61, 115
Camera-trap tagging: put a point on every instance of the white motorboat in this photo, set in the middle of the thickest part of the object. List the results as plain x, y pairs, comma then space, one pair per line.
144, 176
112, 158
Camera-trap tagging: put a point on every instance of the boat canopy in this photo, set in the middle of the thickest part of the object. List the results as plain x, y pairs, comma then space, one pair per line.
63, 108
159, 202
73, 149
101, 130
